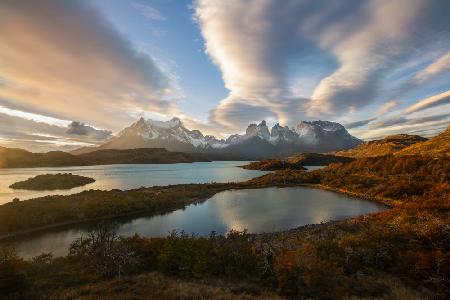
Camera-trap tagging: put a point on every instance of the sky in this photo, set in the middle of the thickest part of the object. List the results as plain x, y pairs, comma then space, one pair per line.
75, 72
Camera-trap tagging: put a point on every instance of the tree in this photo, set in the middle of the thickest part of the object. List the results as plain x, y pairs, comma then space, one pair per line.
104, 251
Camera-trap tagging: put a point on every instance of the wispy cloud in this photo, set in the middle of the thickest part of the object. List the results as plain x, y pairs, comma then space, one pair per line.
360, 123
385, 108
149, 12
439, 66
409, 121
433, 101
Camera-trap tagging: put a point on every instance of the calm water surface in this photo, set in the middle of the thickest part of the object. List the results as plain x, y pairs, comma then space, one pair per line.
258, 210
128, 176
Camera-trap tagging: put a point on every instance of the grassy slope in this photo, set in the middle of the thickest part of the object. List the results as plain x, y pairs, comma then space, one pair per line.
158, 286
437, 146
386, 146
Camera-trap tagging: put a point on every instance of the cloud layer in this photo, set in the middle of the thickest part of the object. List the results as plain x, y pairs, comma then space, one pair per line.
61, 57
79, 128
296, 59
16, 131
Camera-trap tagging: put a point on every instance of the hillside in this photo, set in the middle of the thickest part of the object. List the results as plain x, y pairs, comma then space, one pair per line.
388, 145
297, 162
317, 159
19, 158
437, 146
272, 164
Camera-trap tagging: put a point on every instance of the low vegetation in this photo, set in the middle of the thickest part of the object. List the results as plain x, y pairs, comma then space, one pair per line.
386, 146
435, 147
402, 252
272, 165
296, 162
52, 182
317, 159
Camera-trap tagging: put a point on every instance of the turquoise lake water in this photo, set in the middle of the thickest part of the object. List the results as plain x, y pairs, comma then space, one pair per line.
257, 210
128, 176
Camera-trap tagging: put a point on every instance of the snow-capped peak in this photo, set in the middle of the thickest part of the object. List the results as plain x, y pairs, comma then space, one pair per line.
175, 122
172, 134
259, 130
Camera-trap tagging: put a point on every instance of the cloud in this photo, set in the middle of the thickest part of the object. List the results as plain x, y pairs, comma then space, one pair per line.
433, 101
429, 126
358, 123
37, 136
78, 128
413, 121
338, 55
439, 66
386, 107
62, 58
149, 12
252, 53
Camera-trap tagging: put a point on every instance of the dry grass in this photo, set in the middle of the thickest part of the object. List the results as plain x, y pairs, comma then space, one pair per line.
386, 146
158, 286
437, 146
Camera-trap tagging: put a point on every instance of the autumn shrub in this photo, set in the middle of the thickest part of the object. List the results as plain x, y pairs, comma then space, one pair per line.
180, 254
13, 281
185, 256
302, 273
103, 251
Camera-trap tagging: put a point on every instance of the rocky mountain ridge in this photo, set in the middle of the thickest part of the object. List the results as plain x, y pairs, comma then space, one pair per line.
258, 140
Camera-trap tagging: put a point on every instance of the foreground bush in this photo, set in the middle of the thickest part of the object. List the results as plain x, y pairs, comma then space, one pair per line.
13, 281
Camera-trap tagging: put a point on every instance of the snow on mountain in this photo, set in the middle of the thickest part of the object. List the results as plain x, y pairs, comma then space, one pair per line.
172, 131
173, 135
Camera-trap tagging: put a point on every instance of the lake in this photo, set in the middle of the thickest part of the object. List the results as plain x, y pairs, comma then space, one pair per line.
258, 210
128, 176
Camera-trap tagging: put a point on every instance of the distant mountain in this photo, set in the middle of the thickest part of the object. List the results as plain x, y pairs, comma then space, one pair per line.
436, 146
258, 141
18, 158
388, 145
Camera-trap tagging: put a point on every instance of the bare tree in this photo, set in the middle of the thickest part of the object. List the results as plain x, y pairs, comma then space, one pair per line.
103, 250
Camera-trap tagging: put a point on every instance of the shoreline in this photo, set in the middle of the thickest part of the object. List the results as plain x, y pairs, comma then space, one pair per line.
61, 225
237, 186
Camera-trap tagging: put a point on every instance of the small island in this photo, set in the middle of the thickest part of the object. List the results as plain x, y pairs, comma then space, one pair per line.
60, 181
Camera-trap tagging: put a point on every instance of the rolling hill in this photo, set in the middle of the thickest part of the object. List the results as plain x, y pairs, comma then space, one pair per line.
435, 147
19, 158
388, 145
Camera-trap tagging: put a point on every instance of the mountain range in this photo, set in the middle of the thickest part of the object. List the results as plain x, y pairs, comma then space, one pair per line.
258, 141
